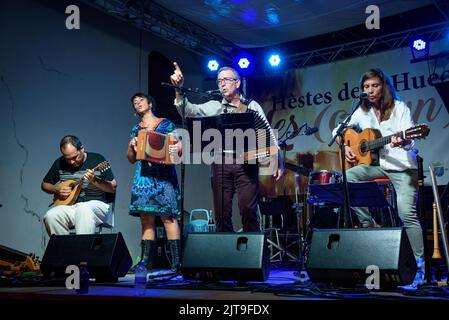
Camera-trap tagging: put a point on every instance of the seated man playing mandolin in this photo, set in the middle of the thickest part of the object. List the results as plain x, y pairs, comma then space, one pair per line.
83, 186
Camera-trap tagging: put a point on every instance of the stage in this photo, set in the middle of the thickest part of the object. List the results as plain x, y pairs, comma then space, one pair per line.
283, 292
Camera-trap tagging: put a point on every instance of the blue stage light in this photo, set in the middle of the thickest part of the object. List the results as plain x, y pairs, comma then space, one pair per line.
419, 44
420, 48
244, 63
213, 65
274, 60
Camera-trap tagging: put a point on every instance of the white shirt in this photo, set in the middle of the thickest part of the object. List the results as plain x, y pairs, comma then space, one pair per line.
397, 158
214, 108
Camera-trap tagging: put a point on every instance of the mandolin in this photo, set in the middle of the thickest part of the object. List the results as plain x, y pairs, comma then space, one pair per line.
76, 186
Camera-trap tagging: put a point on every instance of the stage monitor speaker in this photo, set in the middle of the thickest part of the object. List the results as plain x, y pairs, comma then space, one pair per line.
107, 255
226, 256
341, 256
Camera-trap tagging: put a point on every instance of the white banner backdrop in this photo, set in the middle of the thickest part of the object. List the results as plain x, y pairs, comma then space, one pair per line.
322, 96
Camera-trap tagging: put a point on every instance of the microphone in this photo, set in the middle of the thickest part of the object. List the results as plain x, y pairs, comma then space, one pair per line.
363, 96
310, 130
282, 144
215, 92
307, 131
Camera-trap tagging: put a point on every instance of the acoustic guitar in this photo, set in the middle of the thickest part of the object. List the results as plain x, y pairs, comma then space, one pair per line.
367, 143
76, 186
17, 261
30, 264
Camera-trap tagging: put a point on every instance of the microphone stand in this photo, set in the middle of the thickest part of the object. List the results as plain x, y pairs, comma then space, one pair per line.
301, 272
340, 133
422, 217
183, 124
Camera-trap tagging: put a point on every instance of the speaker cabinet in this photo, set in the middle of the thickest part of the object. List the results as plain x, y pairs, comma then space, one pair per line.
341, 256
107, 255
226, 256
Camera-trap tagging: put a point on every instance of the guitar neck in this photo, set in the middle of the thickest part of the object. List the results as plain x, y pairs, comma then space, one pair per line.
380, 142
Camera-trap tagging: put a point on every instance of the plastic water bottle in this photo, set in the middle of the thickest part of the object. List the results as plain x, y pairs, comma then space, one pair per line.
140, 279
84, 279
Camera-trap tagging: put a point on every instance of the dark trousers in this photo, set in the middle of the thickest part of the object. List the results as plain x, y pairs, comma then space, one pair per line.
227, 179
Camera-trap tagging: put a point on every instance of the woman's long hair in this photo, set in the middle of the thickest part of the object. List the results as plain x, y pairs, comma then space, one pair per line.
388, 96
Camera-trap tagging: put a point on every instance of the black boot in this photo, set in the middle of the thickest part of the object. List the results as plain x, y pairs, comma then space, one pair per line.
147, 254
175, 255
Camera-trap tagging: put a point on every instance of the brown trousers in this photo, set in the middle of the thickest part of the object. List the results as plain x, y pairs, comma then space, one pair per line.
226, 180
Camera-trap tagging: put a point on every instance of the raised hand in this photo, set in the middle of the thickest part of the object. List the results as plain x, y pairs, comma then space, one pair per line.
177, 78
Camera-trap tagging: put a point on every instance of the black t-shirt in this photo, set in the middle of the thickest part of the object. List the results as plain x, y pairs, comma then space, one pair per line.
62, 171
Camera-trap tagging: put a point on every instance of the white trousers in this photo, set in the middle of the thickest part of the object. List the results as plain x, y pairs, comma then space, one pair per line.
84, 216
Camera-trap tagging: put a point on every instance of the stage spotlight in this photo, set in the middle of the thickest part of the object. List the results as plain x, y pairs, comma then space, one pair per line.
244, 63
213, 65
419, 44
420, 48
274, 60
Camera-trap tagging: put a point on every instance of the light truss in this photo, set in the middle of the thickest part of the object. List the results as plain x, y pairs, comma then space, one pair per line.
366, 46
150, 16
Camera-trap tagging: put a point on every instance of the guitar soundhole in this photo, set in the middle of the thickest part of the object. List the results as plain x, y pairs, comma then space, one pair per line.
363, 147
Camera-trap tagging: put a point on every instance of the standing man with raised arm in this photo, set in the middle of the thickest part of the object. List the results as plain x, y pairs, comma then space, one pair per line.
229, 178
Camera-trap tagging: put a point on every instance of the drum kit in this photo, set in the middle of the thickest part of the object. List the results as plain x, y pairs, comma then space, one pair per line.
295, 185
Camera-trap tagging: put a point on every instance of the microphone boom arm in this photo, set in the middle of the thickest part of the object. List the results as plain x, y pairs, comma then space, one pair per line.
184, 90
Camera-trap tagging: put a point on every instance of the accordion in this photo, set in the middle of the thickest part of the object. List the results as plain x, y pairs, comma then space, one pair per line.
154, 147
256, 147
266, 142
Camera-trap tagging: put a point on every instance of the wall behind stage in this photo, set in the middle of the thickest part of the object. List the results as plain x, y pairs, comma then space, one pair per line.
55, 81
322, 96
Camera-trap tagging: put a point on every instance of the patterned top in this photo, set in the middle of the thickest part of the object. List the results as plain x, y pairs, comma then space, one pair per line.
155, 187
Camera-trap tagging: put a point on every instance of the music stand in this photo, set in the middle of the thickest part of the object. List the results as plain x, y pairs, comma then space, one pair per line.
271, 207
362, 194
222, 122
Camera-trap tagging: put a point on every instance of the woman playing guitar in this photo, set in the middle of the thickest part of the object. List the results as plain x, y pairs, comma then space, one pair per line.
389, 116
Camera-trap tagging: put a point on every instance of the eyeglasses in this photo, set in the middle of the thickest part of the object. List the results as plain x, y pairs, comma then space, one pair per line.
226, 80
